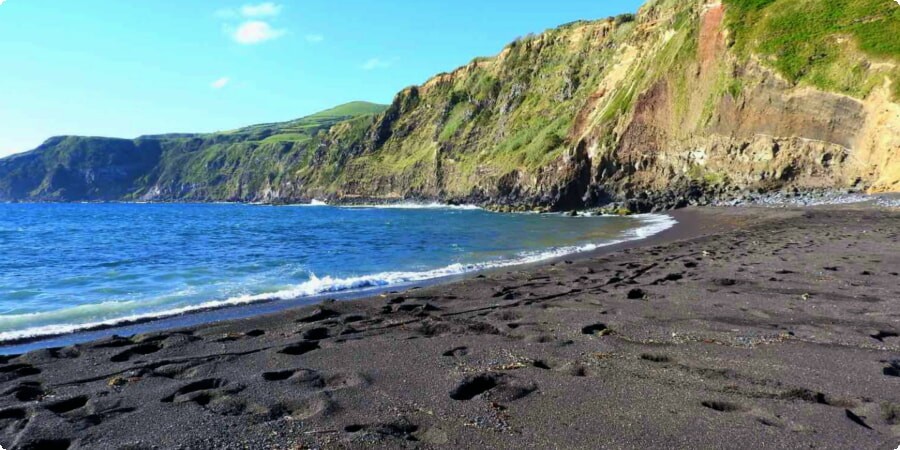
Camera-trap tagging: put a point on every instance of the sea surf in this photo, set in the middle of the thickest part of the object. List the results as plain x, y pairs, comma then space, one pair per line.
71, 267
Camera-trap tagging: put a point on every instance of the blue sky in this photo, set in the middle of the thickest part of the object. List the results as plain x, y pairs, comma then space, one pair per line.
125, 68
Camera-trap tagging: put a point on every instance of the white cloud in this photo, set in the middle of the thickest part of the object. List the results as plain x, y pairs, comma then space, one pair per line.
1, 1
255, 32
311, 38
266, 9
220, 83
376, 63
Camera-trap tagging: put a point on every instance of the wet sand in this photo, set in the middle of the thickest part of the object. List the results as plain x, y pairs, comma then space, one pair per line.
740, 328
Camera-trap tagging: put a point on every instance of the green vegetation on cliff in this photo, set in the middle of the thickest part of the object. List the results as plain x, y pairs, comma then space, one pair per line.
830, 44
75, 168
232, 165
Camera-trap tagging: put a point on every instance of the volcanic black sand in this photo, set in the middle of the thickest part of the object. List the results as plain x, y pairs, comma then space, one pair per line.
745, 328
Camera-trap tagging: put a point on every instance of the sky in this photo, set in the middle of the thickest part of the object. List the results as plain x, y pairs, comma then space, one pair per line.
127, 68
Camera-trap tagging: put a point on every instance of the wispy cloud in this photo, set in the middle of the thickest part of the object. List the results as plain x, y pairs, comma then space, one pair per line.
376, 63
249, 11
314, 38
255, 32
220, 83
1, 1
267, 9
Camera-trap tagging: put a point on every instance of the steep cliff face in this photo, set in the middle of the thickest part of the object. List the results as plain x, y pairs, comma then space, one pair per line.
718, 119
689, 97
78, 168
686, 100
497, 128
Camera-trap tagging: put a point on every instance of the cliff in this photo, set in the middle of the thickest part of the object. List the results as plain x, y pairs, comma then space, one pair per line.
682, 102
247, 164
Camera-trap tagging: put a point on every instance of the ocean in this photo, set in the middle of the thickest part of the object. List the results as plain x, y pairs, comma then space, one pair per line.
70, 267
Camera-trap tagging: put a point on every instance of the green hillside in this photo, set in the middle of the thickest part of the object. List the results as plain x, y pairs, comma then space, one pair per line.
225, 164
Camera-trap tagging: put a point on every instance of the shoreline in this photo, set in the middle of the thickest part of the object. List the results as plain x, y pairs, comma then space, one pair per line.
767, 327
261, 304
689, 222
789, 198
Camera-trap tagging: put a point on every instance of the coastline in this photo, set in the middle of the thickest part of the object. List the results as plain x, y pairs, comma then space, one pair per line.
742, 327
357, 288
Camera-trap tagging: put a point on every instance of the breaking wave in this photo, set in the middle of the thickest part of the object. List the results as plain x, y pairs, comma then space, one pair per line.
651, 224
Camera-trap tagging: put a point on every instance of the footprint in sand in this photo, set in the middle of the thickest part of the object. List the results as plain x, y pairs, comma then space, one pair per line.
656, 358
500, 387
15, 371
137, 350
893, 369
456, 352
300, 348
28, 391
721, 406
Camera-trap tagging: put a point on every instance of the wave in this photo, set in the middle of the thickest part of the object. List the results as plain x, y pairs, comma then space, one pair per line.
402, 205
312, 203
654, 224
651, 224
408, 205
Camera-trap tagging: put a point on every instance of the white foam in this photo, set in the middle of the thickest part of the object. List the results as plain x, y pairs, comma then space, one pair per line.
311, 204
654, 224
407, 205
315, 286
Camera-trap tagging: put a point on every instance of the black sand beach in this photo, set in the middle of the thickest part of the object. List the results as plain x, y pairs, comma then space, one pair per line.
740, 328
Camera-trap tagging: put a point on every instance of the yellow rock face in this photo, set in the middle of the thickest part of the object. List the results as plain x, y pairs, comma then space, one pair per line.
877, 152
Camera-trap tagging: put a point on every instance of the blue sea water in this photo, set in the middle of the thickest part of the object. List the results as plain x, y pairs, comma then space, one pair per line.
66, 267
